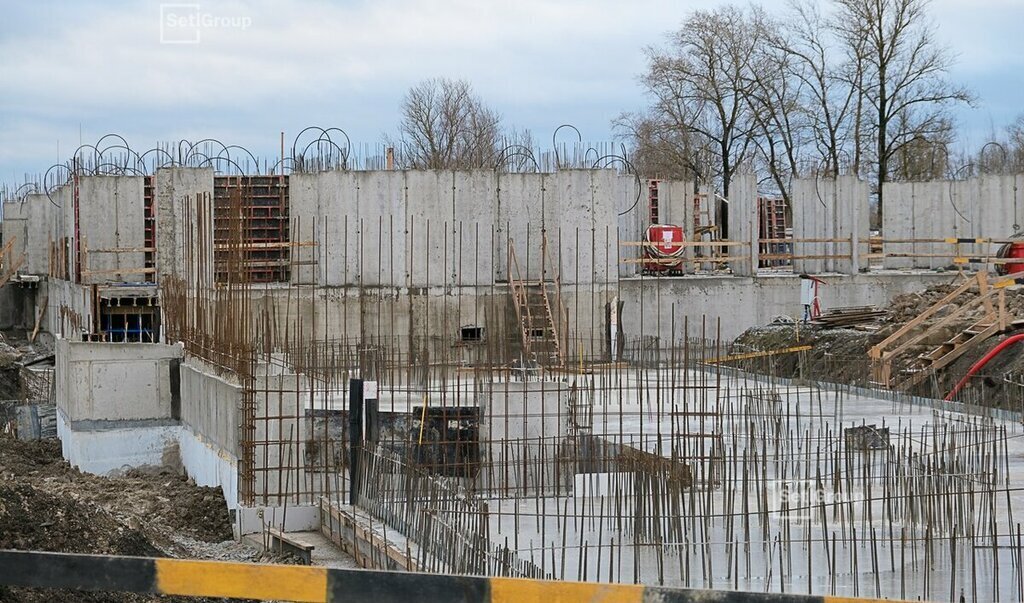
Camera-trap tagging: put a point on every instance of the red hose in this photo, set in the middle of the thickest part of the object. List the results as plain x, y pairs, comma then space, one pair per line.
979, 364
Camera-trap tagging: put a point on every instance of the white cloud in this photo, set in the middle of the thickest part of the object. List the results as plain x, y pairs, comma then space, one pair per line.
540, 62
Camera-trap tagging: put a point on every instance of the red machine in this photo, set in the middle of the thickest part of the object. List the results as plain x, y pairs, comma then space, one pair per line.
1012, 250
663, 248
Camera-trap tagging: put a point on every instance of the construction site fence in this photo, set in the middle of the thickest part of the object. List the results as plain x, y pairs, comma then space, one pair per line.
190, 578
787, 253
420, 360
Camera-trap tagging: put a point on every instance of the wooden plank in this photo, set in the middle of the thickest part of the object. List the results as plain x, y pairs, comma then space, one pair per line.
119, 271
680, 260
984, 291
350, 524
12, 270
285, 543
907, 255
124, 250
269, 245
942, 323
694, 243
1009, 282
876, 352
39, 318
949, 357
762, 354
7, 248
807, 240
946, 240
1003, 320
986, 260
790, 256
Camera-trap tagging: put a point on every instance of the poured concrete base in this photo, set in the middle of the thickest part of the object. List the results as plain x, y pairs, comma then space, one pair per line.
107, 451
116, 447
208, 464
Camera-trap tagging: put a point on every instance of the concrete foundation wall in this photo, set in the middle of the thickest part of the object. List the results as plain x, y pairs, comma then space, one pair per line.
111, 214
652, 304
177, 238
210, 403
397, 317
69, 308
15, 226
212, 406
64, 226
103, 451
743, 223
30, 223
989, 206
400, 315
443, 228
114, 383
208, 464
830, 209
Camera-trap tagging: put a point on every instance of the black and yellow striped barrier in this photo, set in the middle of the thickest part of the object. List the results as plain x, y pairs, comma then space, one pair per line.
968, 240
303, 583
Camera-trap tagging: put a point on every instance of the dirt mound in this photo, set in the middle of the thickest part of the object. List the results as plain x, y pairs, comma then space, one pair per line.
837, 355
29, 458
841, 355
907, 306
160, 501
36, 520
47, 505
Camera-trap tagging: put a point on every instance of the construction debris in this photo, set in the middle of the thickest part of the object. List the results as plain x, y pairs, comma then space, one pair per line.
866, 437
849, 317
927, 338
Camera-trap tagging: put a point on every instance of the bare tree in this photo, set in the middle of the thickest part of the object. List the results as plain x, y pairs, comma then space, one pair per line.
701, 84
446, 126
516, 151
904, 80
776, 98
1003, 153
922, 158
660, 149
1015, 144
829, 88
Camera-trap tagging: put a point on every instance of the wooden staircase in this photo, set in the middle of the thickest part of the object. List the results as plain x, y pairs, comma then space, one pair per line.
539, 311
994, 319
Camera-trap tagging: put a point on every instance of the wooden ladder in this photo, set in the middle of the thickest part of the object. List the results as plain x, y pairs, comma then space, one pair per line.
704, 226
9, 265
993, 320
539, 326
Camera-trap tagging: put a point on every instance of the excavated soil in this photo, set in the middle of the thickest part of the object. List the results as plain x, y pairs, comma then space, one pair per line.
160, 503
47, 505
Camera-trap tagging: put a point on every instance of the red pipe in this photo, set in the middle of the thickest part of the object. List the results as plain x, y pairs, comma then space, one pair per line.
979, 364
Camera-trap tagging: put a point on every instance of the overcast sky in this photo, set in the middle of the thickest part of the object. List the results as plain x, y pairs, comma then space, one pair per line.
74, 71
